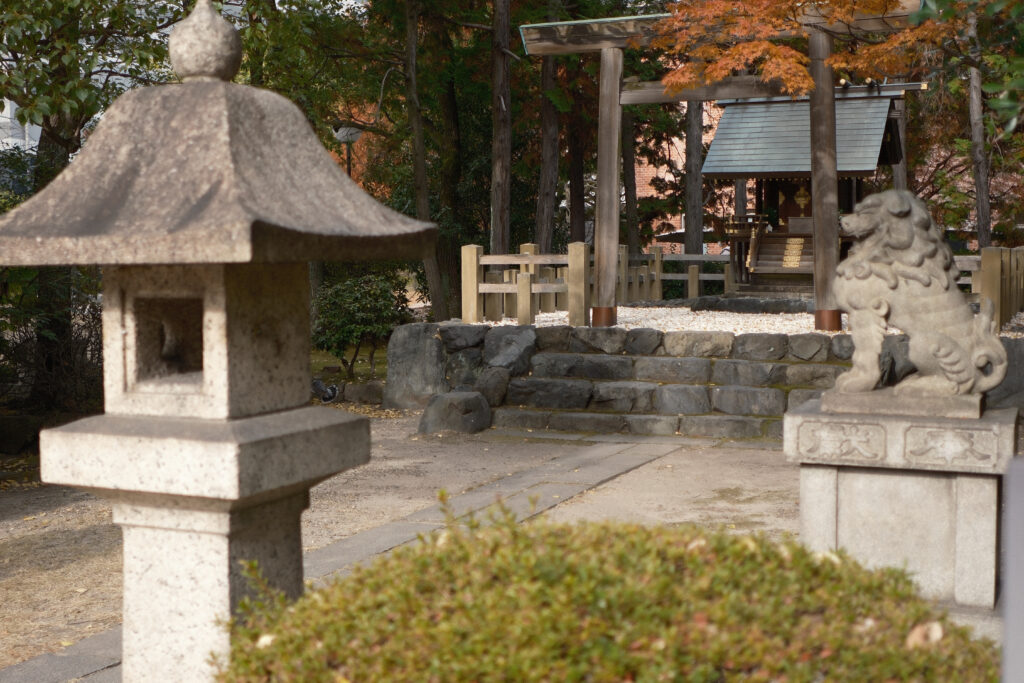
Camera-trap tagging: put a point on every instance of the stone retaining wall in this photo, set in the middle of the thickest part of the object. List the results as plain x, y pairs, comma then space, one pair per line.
642, 380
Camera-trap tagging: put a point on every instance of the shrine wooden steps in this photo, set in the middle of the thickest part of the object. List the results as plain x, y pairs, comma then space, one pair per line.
783, 254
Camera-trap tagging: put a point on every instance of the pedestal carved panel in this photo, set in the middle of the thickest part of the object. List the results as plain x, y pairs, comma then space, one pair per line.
846, 441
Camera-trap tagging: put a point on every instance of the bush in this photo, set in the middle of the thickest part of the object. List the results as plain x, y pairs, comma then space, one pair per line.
362, 310
605, 602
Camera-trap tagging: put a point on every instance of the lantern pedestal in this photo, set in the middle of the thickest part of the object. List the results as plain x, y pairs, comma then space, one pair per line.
196, 499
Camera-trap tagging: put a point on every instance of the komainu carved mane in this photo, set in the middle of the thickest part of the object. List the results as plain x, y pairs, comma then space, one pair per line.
901, 272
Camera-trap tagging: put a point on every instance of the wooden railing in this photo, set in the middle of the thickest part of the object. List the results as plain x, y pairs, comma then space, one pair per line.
540, 283
562, 282
694, 274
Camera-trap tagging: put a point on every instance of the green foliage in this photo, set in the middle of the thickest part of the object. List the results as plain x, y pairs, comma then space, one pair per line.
358, 311
63, 61
999, 52
604, 602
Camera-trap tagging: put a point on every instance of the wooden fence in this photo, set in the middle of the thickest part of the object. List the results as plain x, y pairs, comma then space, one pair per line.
563, 282
1002, 281
540, 282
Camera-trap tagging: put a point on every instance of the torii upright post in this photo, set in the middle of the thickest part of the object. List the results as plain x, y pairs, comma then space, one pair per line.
606, 224
824, 183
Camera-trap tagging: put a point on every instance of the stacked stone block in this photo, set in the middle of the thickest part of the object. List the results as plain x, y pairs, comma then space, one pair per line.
642, 381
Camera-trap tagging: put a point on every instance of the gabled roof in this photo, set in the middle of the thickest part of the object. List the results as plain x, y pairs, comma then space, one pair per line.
772, 139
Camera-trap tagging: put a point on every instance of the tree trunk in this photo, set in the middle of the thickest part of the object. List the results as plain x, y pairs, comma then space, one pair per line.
435, 284
628, 145
694, 228
53, 369
547, 186
501, 140
979, 155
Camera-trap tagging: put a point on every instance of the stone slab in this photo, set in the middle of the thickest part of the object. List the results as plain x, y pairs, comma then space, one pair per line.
218, 460
893, 519
887, 402
324, 562
85, 658
982, 446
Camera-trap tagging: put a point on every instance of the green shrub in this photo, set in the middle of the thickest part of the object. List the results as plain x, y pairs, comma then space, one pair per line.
605, 602
356, 312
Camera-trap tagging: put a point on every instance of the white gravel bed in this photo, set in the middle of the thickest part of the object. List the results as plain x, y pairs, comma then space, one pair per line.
671, 319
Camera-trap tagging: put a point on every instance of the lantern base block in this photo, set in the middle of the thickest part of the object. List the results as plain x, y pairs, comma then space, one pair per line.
197, 500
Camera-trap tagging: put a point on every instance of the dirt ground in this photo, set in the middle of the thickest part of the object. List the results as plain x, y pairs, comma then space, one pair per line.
60, 554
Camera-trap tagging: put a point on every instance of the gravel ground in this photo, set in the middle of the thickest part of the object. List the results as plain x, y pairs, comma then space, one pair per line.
669, 319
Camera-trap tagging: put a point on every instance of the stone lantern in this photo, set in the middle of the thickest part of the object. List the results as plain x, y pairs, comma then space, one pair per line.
203, 201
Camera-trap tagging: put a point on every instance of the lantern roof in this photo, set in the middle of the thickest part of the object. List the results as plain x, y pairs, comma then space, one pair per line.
205, 171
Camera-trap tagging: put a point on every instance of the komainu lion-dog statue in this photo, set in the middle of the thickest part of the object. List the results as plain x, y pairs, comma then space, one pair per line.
901, 272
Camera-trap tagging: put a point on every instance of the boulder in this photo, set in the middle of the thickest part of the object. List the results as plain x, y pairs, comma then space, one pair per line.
809, 347
416, 365
747, 373
748, 400
566, 394
458, 336
622, 397
510, 347
555, 338
456, 411
463, 366
371, 392
798, 397
698, 344
672, 369
681, 399
895, 359
813, 375
597, 340
643, 341
493, 384
841, 347
760, 346
585, 365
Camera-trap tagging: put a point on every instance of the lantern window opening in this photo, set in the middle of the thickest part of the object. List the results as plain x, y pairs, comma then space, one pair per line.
168, 335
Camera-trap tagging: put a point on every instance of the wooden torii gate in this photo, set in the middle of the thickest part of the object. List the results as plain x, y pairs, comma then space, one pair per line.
610, 37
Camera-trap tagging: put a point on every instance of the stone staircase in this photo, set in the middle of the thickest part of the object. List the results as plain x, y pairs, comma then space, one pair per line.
705, 384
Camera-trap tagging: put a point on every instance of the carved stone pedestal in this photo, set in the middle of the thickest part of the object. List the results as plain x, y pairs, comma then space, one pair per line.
913, 491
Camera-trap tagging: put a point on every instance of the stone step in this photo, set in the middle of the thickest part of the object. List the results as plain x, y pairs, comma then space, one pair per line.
713, 425
651, 397
683, 370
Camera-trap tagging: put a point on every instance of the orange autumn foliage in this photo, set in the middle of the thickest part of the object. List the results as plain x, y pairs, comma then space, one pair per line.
714, 39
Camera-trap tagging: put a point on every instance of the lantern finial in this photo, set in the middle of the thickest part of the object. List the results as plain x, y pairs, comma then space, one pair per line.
204, 46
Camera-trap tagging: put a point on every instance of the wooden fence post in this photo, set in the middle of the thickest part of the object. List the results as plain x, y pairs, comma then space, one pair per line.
524, 299
645, 282
622, 288
472, 271
493, 304
730, 284
991, 281
1006, 284
510, 299
578, 280
693, 282
531, 268
656, 271
562, 298
547, 300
